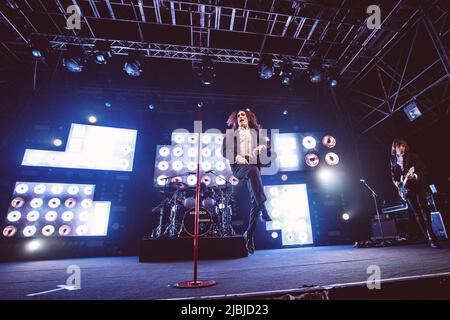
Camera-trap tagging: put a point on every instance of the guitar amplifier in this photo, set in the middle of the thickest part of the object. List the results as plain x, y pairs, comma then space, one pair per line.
438, 225
394, 227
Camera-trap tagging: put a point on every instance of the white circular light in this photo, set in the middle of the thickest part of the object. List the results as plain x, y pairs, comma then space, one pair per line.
14, 216
178, 138
57, 189
275, 213
345, 216
86, 203
9, 231
51, 216
39, 188
125, 149
67, 216
164, 151
221, 206
73, 190
206, 152
192, 166
161, 181
274, 235
33, 216
303, 237
21, 188
218, 139
88, 190
29, 231
48, 230
83, 216
192, 152
191, 180
309, 142
92, 119
331, 159
123, 164
220, 180
36, 203
177, 151
64, 230
176, 179
220, 166
177, 165
163, 165
70, 203
54, 203
290, 237
206, 180
329, 141
82, 230
218, 153
57, 142
233, 180
206, 165
325, 175
274, 202
17, 202
284, 177
273, 191
192, 139
206, 138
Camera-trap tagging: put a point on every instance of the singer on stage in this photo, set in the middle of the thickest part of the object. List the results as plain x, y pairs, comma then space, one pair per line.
407, 165
244, 147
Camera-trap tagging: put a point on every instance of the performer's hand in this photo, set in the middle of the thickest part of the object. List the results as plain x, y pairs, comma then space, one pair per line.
397, 183
241, 160
258, 150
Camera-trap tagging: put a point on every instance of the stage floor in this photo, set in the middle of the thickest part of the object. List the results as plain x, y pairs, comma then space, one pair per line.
265, 271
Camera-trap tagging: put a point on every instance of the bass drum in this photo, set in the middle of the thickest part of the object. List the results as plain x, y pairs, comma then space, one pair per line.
205, 221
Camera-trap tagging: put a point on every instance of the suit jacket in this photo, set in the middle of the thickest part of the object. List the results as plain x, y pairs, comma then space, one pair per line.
410, 160
255, 142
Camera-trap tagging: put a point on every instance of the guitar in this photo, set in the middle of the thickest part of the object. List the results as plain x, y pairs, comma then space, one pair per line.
402, 190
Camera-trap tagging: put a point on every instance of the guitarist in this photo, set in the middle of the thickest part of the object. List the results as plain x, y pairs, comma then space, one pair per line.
408, 171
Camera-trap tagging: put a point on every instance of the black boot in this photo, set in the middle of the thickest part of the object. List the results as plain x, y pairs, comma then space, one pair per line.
249, 243
264, 214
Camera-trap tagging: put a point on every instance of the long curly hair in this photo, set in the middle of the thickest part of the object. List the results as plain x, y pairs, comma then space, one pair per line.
252, 121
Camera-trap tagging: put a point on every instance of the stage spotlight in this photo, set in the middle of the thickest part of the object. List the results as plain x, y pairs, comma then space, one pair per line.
73, 59
92, 119
332, 79
325, 176
315, 71
331, 159
151, 107
102, 52
33, 245
309, 142
274, 235
285, 112
311, 160
29, 231
345, 216
57, 142
265, 68
108, 104
286, 73
206, 71
329, 141
412, 111
40, 47
9, 231
284, 177
134, 65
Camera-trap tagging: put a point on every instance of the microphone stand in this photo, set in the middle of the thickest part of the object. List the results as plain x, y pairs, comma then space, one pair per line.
374, 195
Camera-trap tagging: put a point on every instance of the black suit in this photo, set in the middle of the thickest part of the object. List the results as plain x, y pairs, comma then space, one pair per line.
250, 172
417, 191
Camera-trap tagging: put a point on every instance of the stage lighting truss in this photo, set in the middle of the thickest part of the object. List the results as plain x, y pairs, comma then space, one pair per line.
54, 209
89, 147
179, 160
289, 209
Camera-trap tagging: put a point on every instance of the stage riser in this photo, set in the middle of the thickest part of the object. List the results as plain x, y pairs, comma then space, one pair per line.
179, 249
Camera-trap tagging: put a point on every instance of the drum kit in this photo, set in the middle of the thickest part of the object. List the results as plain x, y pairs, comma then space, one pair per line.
177, 211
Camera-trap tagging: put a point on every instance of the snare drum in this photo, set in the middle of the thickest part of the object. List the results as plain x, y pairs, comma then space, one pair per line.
205, 221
